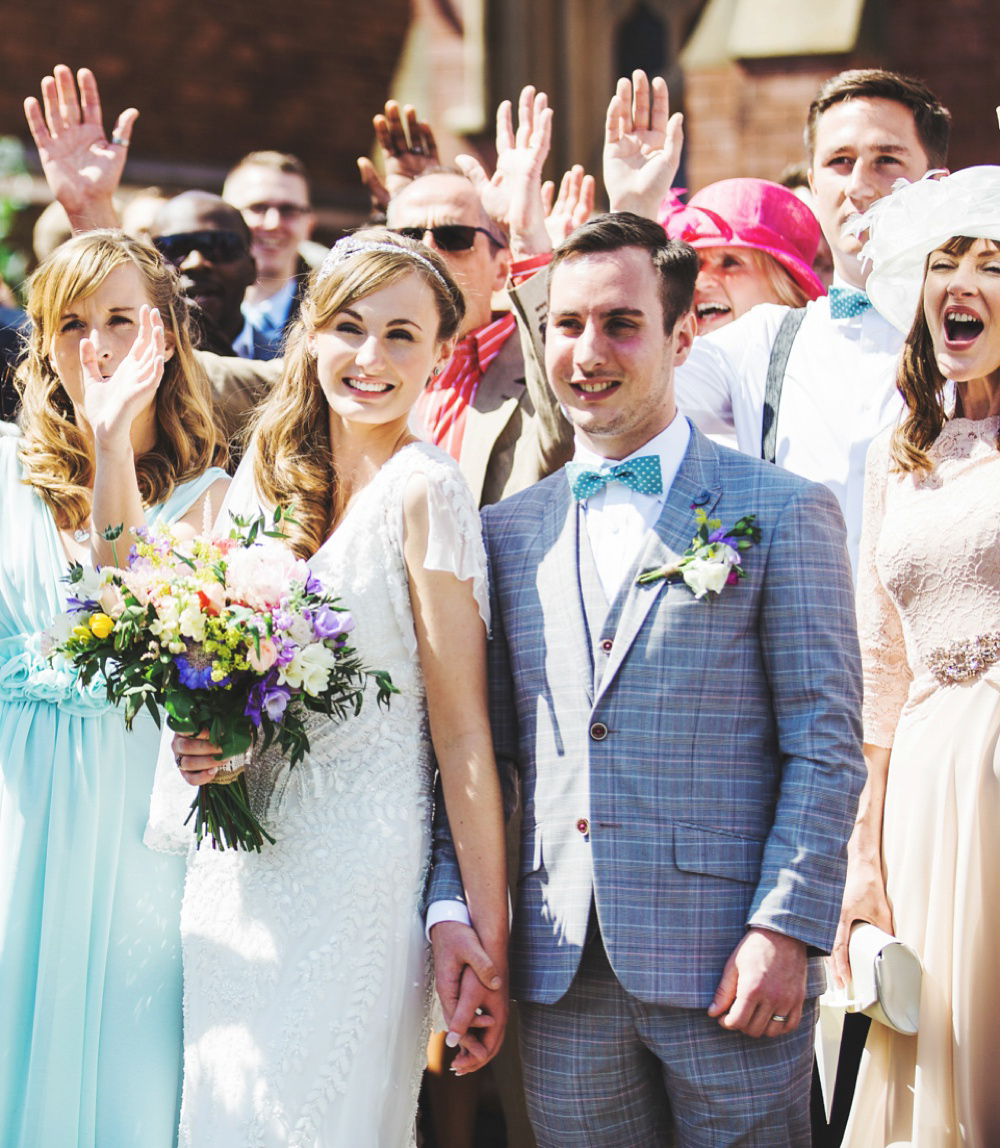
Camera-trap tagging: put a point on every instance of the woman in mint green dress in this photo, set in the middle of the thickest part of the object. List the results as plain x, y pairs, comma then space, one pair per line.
115, 427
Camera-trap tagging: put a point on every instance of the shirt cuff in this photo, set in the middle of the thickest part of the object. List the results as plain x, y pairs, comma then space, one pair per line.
521, 269
439, 911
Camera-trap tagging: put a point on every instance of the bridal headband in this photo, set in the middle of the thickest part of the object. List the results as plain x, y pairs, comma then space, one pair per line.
906, 226
350, 246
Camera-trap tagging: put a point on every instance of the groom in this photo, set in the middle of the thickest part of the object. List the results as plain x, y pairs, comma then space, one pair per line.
688, 766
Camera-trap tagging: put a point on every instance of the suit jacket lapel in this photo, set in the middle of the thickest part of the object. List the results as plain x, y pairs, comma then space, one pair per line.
697, 484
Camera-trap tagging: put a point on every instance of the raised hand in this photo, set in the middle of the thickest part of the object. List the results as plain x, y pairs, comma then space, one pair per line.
513, 195
111, 405
573, 205
642, 145
409, 150
82, 167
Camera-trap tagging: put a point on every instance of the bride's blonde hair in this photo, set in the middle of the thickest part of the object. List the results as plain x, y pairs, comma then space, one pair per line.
293, 457
57, 455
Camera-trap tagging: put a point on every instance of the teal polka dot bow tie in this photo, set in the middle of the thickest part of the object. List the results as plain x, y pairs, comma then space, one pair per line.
641, 474
846, 302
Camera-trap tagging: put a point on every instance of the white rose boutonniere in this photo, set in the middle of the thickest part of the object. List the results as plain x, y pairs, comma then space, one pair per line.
713, 560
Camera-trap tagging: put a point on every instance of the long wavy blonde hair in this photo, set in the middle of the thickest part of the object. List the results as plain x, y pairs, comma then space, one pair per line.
922, 384
293, 456
56, 453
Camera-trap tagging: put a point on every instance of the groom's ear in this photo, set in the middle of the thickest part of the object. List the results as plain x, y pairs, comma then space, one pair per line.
683, 336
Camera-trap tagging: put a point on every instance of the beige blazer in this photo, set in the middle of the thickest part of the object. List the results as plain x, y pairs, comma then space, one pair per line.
515, 431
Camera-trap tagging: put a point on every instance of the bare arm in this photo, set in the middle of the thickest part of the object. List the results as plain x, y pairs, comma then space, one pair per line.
864, 892
82, 168
120, 411
451, 641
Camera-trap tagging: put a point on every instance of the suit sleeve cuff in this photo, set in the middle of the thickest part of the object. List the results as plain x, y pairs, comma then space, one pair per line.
439, 911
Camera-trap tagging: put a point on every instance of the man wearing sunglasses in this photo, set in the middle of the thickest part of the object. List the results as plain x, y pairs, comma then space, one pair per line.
271, 191
480, 408
209, 244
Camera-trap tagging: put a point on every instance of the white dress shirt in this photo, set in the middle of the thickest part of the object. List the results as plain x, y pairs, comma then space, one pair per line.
839, 393
618, 517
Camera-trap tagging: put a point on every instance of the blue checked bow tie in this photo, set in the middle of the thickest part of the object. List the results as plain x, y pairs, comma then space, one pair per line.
846, 302
641, 474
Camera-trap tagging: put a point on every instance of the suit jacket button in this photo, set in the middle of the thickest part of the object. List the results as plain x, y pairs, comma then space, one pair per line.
598, 731
583, 825
606, 645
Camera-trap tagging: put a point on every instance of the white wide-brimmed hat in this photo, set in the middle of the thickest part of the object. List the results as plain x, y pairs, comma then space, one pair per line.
906, 226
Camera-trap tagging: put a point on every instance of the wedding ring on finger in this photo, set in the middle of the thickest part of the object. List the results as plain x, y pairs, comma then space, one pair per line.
779, 1019
119, 140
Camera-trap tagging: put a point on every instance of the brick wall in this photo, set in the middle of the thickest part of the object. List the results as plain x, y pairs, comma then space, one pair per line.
214, 79
746, 118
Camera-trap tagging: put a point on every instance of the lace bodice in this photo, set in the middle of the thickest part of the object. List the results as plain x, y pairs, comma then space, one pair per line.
930, 564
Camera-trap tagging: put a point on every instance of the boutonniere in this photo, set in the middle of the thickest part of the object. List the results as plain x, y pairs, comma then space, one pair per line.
713, 560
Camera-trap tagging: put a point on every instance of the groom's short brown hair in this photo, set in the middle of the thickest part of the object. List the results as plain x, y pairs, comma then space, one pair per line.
675, 262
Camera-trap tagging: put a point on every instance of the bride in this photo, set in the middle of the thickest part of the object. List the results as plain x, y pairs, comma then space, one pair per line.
307, 989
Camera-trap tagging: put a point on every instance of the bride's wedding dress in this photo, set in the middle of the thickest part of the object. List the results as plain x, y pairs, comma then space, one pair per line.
307, 986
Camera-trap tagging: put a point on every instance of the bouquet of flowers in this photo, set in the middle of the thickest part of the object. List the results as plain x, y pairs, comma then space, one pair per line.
231, 635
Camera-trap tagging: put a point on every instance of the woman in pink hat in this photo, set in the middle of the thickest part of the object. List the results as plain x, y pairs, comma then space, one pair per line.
756, 241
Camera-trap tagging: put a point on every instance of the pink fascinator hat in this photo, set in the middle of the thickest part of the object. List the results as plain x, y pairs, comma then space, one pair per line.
749, 213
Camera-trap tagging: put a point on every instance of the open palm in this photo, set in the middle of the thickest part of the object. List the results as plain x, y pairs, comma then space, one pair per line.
642, 145
79, 163
112, 404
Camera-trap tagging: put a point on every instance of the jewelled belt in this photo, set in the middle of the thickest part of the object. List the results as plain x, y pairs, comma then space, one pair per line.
964, 659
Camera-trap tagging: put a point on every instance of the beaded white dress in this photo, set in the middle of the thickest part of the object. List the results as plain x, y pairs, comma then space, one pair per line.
306, 970
929, 587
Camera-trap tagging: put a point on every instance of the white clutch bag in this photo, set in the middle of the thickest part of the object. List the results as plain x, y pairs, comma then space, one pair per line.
885, 979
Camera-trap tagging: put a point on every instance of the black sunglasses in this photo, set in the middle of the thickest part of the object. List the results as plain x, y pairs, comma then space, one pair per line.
449, 236
215, 246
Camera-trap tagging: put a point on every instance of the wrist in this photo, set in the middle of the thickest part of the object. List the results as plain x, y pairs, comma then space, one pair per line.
90, 213
526, 244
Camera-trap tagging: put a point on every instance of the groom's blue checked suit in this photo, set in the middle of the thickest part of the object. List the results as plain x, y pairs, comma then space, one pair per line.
688, 767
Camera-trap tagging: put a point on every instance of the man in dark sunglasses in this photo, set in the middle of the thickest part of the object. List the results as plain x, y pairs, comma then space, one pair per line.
209, 244
479, 408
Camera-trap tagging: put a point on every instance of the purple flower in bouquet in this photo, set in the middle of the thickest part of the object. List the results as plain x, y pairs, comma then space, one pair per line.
329, 623
267, 697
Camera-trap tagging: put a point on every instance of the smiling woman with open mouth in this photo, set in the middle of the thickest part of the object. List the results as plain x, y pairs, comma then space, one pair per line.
756, 242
